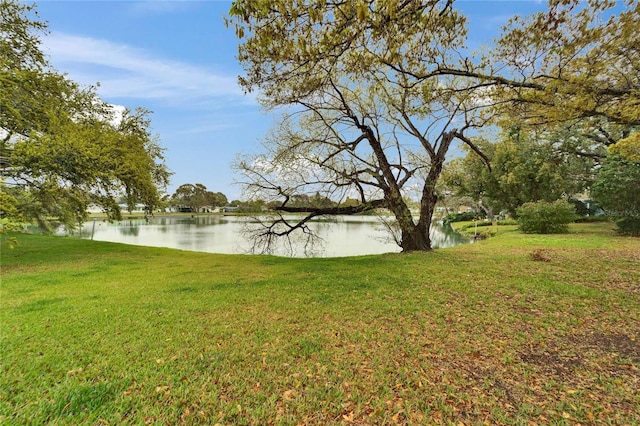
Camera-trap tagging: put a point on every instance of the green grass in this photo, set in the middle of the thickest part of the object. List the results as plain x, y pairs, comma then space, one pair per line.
484, 229
102, 333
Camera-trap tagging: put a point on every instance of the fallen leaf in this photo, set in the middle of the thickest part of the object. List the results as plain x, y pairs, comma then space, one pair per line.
348, 417
186, 413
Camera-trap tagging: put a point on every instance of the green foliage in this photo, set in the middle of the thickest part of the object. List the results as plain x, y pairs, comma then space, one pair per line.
525, 167
251, 206
617, 190
542, 217
575, 61
628, 148
197, 196
629, 226
62, 148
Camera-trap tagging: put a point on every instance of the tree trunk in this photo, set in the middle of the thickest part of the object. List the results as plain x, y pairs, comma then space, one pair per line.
416, 239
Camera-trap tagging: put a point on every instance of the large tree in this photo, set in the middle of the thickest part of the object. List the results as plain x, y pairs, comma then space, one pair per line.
61, 147
362, 121
376, 92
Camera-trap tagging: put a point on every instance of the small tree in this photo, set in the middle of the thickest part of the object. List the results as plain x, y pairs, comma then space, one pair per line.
543, 217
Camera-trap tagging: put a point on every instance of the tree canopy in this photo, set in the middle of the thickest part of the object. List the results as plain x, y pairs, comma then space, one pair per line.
628, 148
62, 148
364, 121
617, 190
196, 196
525, 167
574, 61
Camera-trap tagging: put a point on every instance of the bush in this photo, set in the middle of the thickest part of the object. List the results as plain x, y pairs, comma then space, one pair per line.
628, 226
543, 217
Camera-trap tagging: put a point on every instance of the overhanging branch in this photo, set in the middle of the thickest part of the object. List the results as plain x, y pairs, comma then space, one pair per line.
332, 211
475, 149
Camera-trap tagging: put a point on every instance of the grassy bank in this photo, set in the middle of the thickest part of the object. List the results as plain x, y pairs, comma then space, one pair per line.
517, 329
483, 229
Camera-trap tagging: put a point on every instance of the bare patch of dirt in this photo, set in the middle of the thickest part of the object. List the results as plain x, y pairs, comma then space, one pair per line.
552, 361
613, 353
616, 344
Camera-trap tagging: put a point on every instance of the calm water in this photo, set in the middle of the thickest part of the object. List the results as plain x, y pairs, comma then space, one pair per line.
341, 236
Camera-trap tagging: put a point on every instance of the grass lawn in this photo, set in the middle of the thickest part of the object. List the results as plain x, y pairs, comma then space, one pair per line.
517, 329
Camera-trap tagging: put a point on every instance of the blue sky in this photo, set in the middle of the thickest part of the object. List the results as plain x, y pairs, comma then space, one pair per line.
177, 59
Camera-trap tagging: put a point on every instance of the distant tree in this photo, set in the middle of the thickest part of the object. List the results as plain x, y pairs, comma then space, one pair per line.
525, 168
216, 199
197, 196
190, 195
251, 206
61, 147
468, 178
617, 190
350, 202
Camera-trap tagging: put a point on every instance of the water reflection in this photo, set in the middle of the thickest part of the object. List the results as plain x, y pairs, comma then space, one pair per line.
341, 236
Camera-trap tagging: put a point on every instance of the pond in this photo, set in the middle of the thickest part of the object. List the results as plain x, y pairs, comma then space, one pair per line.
340, 236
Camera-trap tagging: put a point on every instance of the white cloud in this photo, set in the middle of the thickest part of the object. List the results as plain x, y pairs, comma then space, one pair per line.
118, 114
128, 72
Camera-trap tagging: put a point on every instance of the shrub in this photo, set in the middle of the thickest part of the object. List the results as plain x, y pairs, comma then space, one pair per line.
628, 226
543, 217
